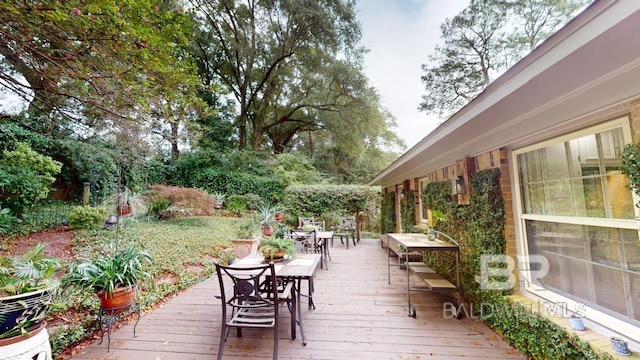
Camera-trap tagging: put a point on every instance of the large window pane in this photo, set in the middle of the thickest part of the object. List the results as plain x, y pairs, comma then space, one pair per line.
594, 265
555, 162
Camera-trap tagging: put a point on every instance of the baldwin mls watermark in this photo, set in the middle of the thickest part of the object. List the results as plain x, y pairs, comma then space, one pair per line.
484, 310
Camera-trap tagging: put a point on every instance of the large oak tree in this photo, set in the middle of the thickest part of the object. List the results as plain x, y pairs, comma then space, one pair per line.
97, 65
293, 68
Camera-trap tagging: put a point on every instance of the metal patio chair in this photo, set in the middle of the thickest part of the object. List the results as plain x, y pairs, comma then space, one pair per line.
346, 229
255, 299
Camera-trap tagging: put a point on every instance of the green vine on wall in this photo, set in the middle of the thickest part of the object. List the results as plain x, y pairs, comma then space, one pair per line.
630, 166
407, 212
479, 228
388, 213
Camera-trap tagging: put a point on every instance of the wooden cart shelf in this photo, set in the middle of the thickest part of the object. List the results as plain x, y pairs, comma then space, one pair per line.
431, 280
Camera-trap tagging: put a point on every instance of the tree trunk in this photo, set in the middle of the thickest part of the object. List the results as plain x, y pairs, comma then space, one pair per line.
311, 146
175, 152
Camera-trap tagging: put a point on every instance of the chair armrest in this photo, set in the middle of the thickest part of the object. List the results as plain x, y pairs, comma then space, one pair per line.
285, 294
229, 291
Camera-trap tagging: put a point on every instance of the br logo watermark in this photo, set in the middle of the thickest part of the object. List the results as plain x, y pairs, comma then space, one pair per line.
497, 271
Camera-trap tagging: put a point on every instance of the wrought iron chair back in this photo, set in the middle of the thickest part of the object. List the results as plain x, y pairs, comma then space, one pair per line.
253, 297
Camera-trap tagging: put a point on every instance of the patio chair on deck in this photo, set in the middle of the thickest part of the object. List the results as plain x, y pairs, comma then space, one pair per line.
302, 221
251, 306
304, 242
346, 229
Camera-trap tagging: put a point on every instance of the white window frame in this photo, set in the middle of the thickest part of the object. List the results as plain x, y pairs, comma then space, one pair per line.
526, 283
423, 216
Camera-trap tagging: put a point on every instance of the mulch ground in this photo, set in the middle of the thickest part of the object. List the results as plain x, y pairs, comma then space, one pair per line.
58, 242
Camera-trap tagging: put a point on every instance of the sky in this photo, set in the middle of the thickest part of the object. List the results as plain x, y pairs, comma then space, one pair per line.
400, 36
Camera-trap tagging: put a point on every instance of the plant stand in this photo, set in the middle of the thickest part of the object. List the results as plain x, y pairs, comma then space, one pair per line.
33, 346
109, 316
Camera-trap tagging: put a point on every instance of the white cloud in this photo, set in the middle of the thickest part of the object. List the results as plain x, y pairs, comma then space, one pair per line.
400, 35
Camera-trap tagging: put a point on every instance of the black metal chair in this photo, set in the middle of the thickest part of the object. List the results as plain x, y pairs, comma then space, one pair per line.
346, 229
302, 221
254, 301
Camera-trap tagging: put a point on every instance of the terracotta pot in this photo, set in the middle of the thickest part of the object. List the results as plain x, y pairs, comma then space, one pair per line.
121, 298
280, 217
124, 210
277, 256
266, 230
244, 247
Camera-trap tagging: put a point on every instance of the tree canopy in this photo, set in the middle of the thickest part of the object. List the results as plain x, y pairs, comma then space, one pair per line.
484, 40
97, 67
293, 67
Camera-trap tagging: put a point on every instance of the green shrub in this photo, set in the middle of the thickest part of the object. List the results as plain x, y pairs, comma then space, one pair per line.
324, 201
157, 206
235, 183
6, 221
236, 203
85, 217
25, 178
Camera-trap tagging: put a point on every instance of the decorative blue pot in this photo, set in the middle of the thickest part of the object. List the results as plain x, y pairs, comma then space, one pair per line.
24, 310
576, 323
619, 345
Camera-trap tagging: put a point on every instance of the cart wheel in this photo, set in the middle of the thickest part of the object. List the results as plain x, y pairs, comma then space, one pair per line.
458, 314
412, 311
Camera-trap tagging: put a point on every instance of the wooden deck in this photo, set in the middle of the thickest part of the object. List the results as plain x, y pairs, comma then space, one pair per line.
357, 316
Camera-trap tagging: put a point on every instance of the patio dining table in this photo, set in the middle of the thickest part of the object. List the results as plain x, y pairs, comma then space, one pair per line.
314, 240
301, 268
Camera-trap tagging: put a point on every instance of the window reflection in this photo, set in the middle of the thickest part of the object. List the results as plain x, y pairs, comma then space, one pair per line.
580, 177
595, 265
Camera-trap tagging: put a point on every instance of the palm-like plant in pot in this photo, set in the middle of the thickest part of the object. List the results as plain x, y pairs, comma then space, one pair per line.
266, 217
27, 288
113, 278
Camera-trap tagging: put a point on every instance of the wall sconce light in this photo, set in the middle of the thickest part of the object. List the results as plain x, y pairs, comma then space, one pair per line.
460, 188
401, 194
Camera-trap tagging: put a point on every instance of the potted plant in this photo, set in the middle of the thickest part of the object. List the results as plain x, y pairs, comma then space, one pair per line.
113, 278
246, 241
279, 210
27, 287
127, 201
576, 322
433, 217
218, 199
267, 217
275, 249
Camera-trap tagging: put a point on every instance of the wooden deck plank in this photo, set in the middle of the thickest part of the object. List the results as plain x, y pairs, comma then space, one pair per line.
358, 315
